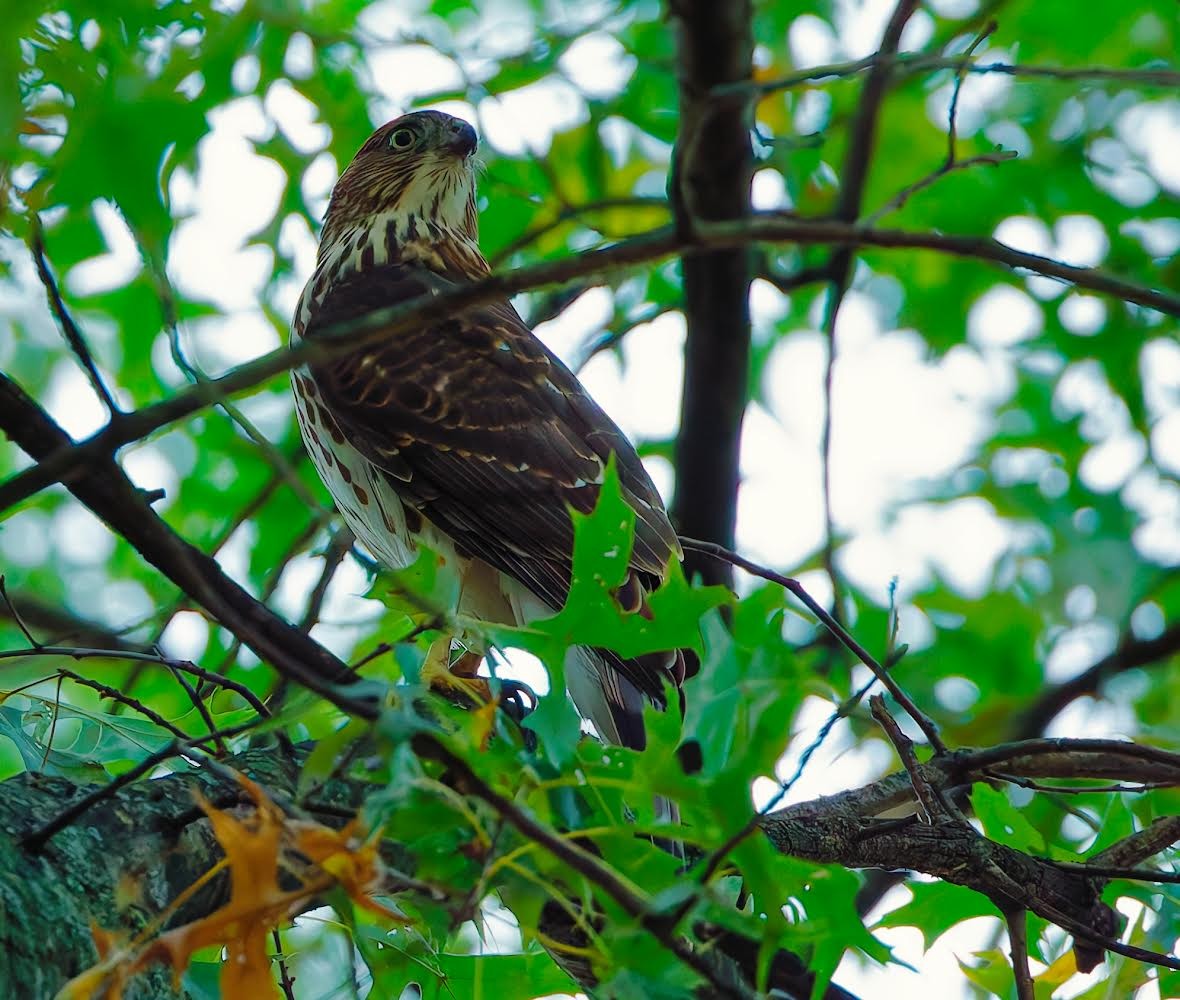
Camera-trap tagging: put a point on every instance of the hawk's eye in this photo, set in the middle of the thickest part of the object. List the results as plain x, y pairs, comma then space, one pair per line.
402, 138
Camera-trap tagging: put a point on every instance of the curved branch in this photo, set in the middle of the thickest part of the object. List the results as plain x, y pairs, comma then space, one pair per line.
1130, 654
105, 489
656, 246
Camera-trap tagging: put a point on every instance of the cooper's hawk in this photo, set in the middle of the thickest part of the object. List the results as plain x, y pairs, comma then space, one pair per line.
467, 435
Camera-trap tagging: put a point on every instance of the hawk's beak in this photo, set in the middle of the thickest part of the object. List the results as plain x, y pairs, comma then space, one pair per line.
462, 140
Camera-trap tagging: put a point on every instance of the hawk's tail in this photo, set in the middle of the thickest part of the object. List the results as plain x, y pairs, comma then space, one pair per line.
614, 705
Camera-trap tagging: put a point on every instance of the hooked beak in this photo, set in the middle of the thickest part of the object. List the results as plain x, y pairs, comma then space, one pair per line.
462, 140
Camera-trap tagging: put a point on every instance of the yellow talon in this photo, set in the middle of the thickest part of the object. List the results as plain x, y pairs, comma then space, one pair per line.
439, 673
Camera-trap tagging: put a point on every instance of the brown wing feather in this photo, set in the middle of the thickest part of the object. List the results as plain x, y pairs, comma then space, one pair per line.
486, 433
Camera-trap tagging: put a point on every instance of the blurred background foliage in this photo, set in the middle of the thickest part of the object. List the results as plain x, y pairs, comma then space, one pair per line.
1007, 446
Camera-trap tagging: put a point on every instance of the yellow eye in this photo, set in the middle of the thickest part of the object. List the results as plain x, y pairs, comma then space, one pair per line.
402, 138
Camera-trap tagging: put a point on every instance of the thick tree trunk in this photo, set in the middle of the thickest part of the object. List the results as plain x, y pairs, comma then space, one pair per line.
712, 171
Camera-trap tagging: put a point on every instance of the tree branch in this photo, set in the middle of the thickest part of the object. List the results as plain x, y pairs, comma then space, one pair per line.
911, 64
655, 246
105, 489
171, 845
1131, 654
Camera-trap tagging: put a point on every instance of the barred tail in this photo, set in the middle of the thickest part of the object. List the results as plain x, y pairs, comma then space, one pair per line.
614, 706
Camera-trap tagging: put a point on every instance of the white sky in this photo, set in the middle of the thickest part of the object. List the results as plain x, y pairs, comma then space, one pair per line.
902, 418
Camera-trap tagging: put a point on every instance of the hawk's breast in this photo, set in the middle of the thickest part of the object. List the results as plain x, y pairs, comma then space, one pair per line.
362, 494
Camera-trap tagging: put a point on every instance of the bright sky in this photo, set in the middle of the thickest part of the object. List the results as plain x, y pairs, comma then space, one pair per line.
901, 418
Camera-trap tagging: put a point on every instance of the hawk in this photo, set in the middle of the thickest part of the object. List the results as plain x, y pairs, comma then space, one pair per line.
466, 435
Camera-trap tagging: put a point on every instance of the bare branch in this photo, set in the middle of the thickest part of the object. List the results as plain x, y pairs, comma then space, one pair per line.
105, 489
854, 174
197, 375
904, 195
1017, 921
1131, 654
15, 615
286, 983
660, 245
929, 730
69, 327
840, 829
1143, 844
569, 213
928, 795
910, 64
106, 691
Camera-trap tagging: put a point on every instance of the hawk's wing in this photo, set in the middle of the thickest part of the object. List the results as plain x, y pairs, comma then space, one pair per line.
482, 429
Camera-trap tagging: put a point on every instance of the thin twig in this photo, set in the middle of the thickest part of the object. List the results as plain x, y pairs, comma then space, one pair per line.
1115, 871
256, 503
286, 983
854, 174
929, 730
909, 63
104, 488
785, 284
15, 615
1017, 921
140, 656
930, 798
951, 163
953, 113
595, 346
828, 549
134, 704
54, 713
569, 213
717, 856
899, 200
197, 375
275, 576
379, 650
69, 327
202, 709
338, 548
1040, 786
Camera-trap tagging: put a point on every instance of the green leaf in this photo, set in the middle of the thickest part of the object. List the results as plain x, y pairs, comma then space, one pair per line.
1003, 822
38, 759
935, 907
322, 760
428, 587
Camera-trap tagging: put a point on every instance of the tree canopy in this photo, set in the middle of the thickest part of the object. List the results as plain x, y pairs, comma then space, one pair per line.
886, 294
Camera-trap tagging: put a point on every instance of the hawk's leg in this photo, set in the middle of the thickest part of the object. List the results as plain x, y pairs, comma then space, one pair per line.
458, 677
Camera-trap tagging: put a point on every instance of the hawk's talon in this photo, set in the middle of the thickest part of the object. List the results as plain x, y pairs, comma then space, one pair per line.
517, 698
458, 678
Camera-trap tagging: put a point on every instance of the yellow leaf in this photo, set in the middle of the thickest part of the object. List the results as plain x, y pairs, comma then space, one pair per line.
254, 846
1060, 971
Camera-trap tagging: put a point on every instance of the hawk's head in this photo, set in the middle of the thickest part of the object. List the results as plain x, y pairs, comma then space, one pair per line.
414, 169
